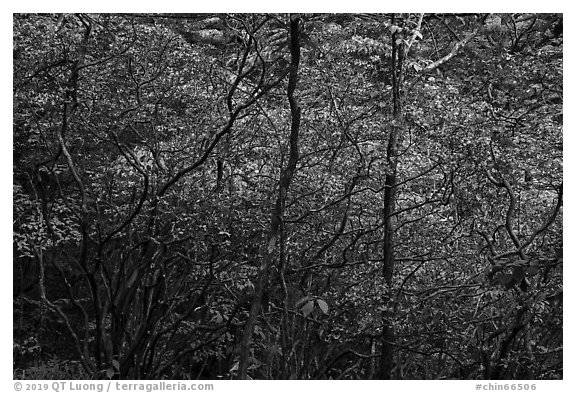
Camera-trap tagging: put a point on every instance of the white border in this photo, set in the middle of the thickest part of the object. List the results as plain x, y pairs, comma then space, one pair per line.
299, 6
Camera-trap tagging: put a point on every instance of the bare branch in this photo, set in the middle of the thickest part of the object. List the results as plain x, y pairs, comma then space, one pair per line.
453, 52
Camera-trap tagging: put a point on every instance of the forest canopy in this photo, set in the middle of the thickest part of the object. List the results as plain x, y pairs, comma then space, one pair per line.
273, 196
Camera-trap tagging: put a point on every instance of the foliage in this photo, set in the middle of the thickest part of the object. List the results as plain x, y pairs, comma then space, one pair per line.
210, 196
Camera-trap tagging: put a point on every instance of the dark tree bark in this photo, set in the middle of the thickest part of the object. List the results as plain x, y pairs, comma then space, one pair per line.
396, 68
276, 226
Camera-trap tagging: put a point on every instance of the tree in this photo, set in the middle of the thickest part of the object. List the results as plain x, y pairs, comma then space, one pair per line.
308, 196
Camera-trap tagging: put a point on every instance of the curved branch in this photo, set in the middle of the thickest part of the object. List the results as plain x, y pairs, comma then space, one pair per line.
550, 220
276, 225
453, 52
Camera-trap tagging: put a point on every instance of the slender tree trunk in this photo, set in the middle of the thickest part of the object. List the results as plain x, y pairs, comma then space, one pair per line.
276, 227
387, 356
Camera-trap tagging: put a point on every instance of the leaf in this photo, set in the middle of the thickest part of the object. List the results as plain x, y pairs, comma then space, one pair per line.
540, 297
301, 301
116, 365
308, 308
258, 331
218, 318
323, 306
109, 373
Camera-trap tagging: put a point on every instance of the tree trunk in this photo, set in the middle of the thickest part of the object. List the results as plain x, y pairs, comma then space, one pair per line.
277, 226
387, 356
